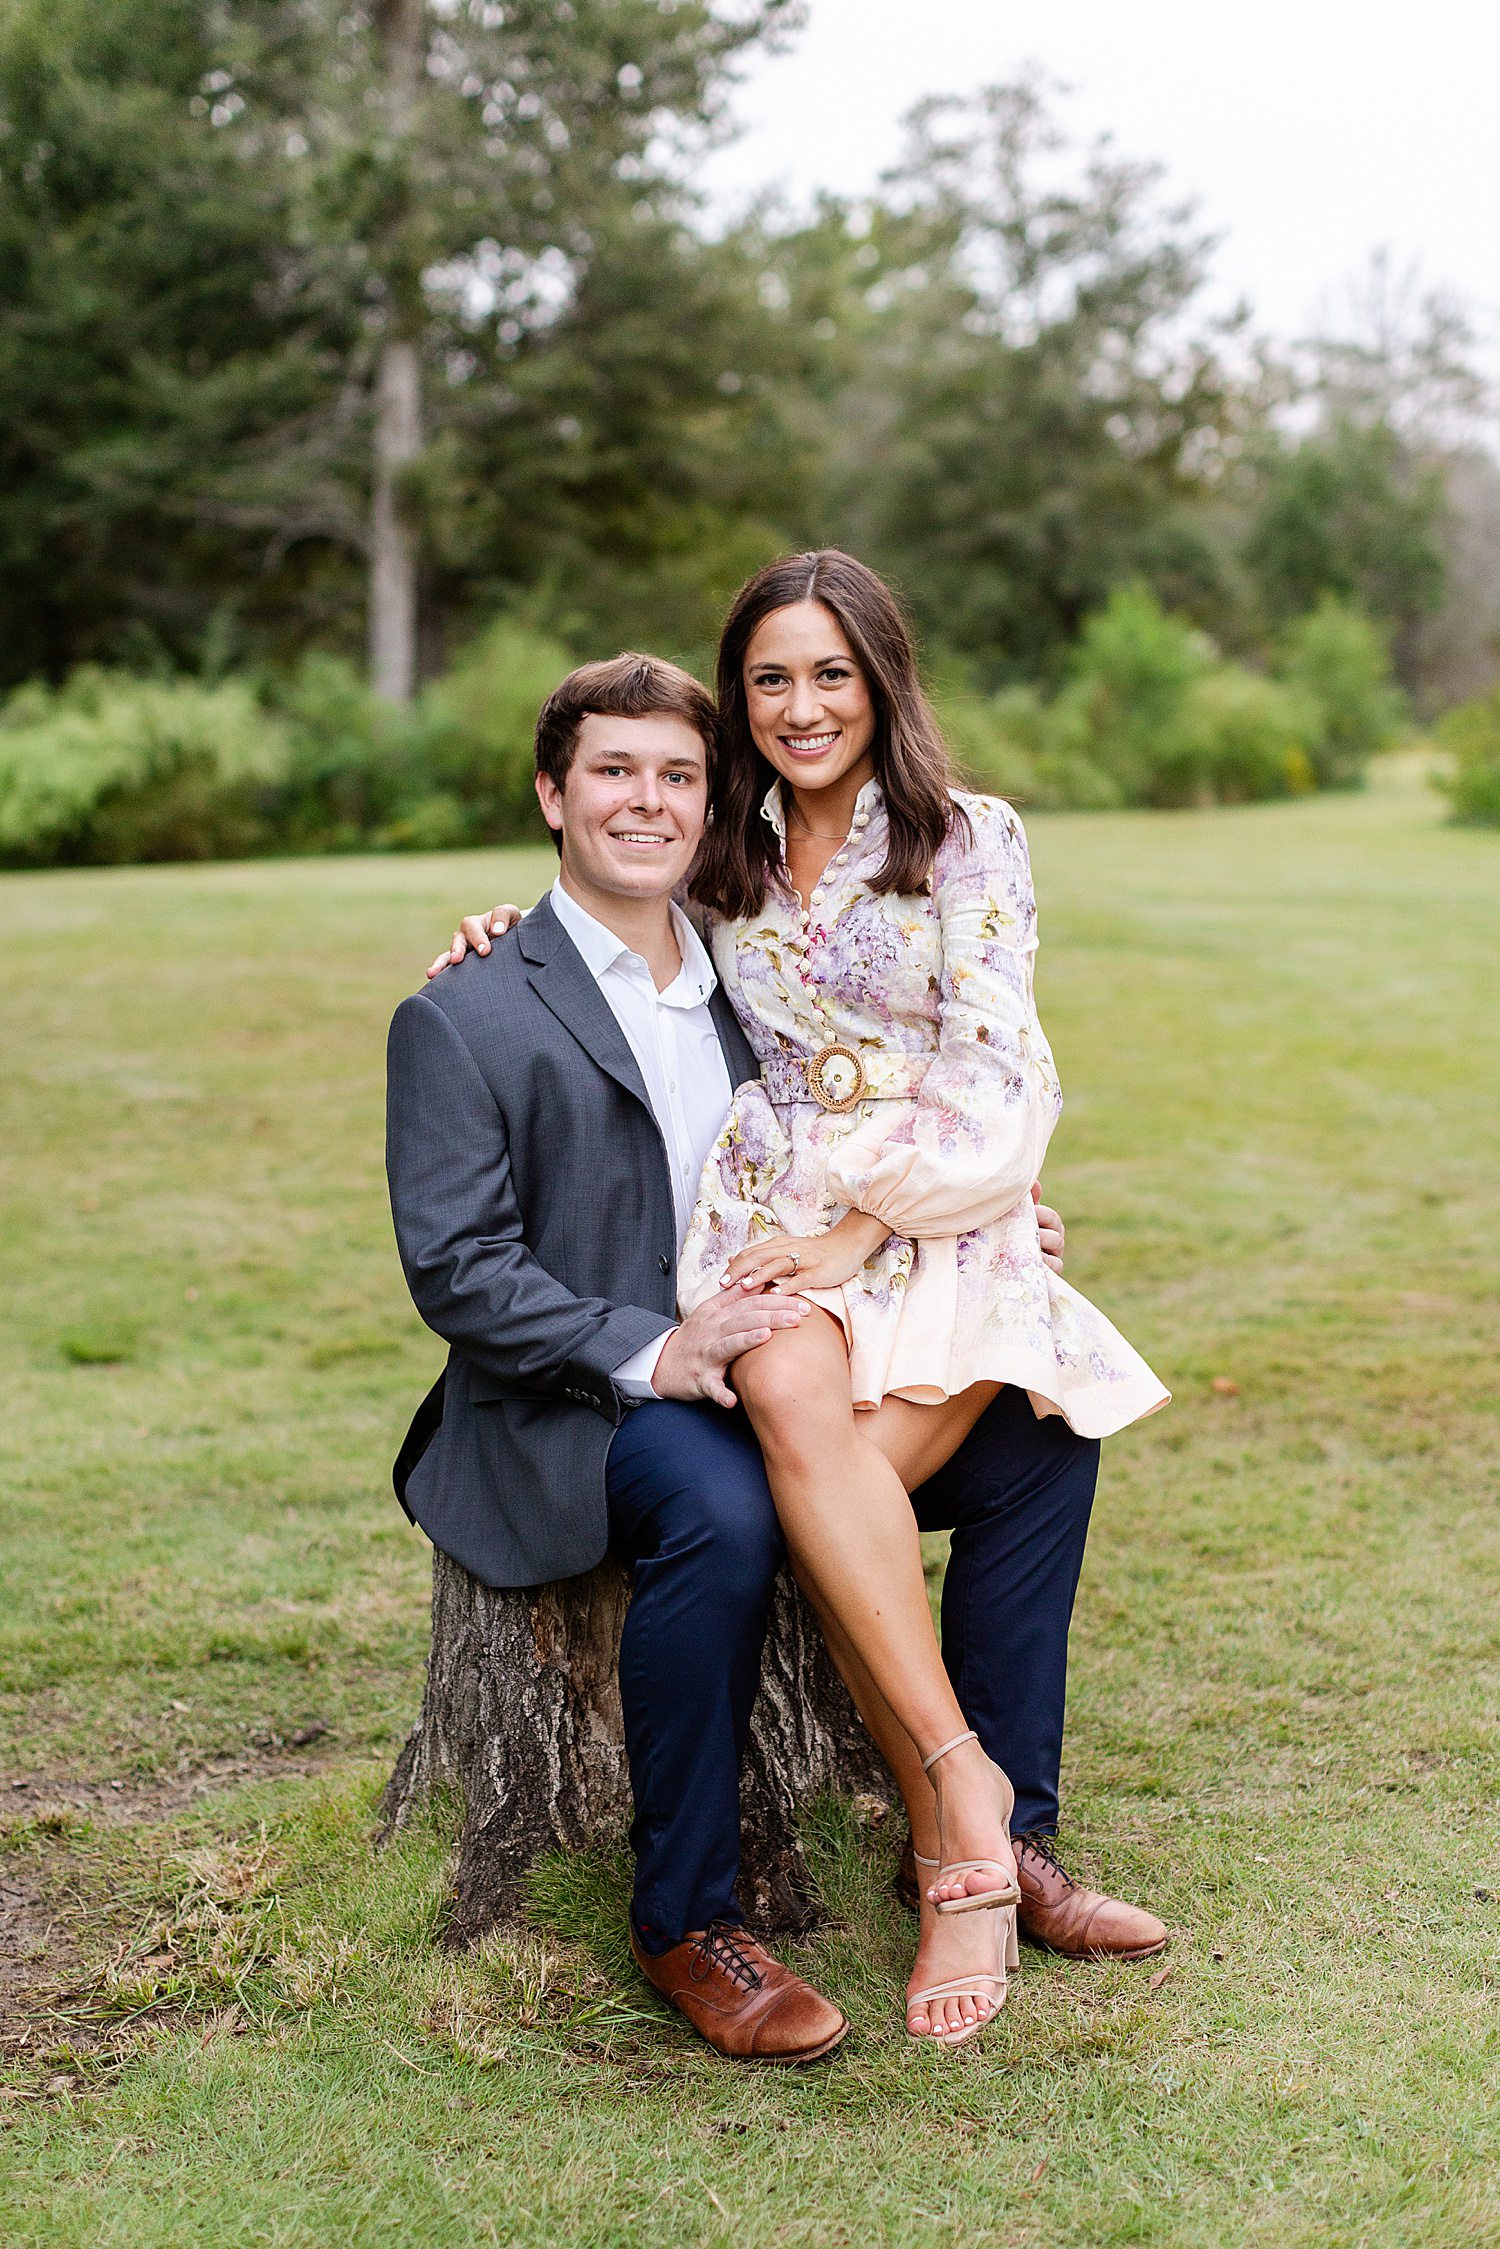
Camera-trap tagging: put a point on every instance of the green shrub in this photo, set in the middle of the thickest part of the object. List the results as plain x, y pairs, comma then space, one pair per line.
352, 768
1120, 713
1238, 738
1337, 660
109, 768
1471, 734
992, 737
473, 734
1013, 744
114, 768
455, 769
1149, 715
1068, 780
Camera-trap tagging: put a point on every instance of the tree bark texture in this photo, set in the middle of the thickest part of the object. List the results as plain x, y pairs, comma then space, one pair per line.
393, 539
521, 1718
400, 29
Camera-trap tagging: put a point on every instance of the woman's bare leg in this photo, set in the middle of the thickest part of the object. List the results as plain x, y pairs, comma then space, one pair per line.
848, 1522
948, 1945
917, 1441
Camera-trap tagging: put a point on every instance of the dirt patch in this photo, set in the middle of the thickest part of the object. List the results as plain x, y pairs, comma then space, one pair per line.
25, 1795
38, 1955
53, 1919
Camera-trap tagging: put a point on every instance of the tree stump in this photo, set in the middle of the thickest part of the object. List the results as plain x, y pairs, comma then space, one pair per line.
521, 1719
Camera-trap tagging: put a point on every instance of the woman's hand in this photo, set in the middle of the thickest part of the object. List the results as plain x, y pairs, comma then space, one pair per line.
808, 1260
828, 1260
475, 930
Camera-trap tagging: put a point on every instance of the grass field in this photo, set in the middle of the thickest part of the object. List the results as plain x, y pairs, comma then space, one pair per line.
231, 2024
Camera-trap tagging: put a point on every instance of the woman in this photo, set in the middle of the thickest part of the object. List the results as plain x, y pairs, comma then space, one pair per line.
875, 929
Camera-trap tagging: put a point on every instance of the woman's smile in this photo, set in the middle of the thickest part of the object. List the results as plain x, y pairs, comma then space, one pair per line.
810, 746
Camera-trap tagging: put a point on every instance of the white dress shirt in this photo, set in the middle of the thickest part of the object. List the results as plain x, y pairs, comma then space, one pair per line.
677, 1051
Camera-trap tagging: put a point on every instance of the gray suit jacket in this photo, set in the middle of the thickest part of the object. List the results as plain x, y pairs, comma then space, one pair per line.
533, 1209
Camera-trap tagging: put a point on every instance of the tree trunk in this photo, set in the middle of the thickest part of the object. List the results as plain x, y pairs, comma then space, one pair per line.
393, 539
401, 35
521, 1717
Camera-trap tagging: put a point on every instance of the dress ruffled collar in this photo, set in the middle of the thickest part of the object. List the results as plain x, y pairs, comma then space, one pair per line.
867, 805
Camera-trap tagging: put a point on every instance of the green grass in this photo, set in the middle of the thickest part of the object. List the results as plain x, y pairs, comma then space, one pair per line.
1279, 1034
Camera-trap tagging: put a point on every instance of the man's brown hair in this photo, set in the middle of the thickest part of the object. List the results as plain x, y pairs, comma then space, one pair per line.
627, 686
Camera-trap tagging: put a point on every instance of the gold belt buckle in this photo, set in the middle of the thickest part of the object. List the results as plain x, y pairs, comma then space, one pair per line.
836, 1076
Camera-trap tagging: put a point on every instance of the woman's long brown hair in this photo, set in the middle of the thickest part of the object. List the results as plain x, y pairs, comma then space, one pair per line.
741, 856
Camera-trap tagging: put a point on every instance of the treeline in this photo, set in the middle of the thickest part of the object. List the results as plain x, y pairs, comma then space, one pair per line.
329, 334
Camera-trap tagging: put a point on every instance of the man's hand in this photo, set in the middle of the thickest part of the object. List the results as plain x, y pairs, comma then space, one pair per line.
1051, 1230
475, 930
693, 1360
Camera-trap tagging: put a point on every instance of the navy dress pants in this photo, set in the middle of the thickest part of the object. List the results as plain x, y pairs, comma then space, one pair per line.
691, 1513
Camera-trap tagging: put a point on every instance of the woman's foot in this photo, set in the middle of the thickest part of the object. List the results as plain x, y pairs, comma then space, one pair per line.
958, 1979
974, 1804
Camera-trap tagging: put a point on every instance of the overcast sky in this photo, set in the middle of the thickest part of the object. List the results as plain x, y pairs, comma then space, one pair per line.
1310, 131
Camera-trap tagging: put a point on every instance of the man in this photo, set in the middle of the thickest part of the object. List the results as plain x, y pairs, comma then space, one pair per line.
550, 1106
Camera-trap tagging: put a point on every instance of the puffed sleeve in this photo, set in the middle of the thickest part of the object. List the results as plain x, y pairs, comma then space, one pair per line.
973, 1142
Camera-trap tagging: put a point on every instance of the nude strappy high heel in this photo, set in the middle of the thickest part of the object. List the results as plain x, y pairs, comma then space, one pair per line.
1007, 1893
959, 1987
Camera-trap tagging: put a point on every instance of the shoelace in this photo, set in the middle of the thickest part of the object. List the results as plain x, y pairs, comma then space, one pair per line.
1044, 1849
718, 1947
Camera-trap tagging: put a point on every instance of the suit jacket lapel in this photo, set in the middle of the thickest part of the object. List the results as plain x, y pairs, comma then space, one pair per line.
563, 981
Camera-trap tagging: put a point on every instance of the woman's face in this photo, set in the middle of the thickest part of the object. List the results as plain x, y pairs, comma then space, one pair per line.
811, 712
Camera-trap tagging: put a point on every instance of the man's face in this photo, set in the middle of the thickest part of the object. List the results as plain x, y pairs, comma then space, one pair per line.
631, 811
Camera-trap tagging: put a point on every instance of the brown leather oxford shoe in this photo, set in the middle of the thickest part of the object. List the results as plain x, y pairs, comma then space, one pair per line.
1057, 1913
747, 2005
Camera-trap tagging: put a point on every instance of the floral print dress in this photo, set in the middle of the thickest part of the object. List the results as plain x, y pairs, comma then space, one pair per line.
905, 1074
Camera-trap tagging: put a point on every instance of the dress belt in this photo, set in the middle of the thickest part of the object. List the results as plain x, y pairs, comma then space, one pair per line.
838, 1077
